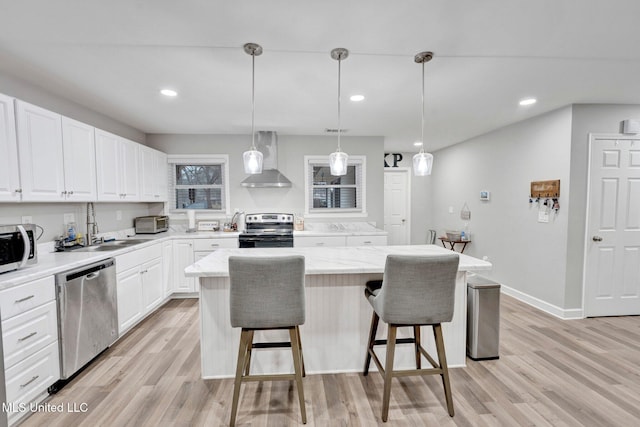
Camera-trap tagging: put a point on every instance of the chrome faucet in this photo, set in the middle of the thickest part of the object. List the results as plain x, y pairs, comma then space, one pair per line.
92, 225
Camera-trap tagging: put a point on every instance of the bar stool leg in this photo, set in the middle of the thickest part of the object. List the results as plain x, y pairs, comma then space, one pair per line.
442, 358
388, 371
242, 354
416, 337
372, 338
297, 358
248, 358
304, 372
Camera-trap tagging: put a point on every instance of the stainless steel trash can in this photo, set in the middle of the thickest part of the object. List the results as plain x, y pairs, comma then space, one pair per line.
483, 318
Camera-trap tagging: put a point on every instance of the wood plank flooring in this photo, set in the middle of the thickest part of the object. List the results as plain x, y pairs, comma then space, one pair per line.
550, 373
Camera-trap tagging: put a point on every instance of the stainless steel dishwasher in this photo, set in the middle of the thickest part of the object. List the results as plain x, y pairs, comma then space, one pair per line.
87, 314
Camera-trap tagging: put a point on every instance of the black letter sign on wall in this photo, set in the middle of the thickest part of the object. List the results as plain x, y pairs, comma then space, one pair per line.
397, 157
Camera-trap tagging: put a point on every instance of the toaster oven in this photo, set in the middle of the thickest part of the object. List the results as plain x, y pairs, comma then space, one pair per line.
151, 224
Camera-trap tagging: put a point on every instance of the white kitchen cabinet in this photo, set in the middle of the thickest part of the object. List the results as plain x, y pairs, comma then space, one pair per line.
167, 267
182, 258
152, 284
39, 134
117, 168
79, 153
140, 284
10, 189
30, 342
367, 240
129, 298
153, 175
307, 241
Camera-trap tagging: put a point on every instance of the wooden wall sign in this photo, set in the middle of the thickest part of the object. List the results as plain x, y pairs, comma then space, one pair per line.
545, 188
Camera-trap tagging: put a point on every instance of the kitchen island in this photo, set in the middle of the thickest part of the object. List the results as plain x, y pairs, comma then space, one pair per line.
338, 316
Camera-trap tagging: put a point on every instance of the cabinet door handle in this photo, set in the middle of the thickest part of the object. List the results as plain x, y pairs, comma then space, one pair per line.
367, 242
27, 336
215, 245
63, 193
597, 239
18, 190
70, 193
319, 243
24, 299
30, 381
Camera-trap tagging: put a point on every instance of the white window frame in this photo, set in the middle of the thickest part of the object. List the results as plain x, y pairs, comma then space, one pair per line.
201, 159
309, 211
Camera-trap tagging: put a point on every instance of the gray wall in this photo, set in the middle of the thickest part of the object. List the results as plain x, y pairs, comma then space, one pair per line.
50, 216
291, 152
528, 256
587, 118
17, 88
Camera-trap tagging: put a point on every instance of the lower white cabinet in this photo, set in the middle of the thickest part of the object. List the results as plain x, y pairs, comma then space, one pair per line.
366, 240
182, 258
140, 284
30, 342
308, 241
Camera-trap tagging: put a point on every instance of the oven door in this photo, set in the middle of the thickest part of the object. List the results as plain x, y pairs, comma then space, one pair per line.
265, 241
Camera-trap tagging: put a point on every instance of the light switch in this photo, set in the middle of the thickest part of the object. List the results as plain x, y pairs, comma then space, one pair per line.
27, 219
543, 215
69, 217
119, 215
450, 209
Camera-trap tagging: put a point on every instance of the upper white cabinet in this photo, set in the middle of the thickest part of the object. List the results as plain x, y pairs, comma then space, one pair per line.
9, 172
40, 153
79, 161
153, 175
117, 168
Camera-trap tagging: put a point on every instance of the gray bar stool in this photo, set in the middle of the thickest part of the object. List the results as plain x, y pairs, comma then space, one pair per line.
267, 293
415, 291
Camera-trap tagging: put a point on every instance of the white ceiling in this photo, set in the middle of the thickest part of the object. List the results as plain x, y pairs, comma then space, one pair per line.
114, 57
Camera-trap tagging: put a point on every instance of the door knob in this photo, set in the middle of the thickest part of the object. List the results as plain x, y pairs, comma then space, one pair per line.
597, 239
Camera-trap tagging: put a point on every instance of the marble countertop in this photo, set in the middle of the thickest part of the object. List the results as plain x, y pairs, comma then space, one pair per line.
338, 260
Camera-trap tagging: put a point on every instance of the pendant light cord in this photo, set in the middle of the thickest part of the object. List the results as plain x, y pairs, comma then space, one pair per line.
423, 143
253, 100
339, 122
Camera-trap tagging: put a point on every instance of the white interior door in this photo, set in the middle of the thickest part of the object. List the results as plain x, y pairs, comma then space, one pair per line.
397, 206
612, 263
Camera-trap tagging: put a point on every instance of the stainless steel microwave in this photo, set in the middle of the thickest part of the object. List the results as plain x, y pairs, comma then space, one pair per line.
17, 246
151, 224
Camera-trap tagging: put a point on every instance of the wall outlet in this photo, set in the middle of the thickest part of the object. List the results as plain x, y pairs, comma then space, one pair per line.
119, 215
69, 217
27, 219
450, 209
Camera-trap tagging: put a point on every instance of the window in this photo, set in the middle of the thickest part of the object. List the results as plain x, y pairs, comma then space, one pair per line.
328, 194
199, 182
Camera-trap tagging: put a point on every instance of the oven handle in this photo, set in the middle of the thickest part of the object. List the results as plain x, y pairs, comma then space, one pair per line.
27, 245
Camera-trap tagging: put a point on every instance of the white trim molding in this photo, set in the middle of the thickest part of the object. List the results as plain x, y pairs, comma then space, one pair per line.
561, 313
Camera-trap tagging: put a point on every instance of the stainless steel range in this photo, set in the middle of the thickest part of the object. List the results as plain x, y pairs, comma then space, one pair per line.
267, 230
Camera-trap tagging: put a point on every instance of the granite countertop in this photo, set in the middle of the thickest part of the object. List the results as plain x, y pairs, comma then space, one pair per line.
339, 260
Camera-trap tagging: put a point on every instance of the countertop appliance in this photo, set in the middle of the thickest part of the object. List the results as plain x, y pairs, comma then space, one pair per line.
3, 390
267, 230
17, 246
151, 224
87, 314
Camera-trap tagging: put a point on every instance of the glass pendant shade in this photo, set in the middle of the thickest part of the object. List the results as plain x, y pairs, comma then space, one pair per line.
252, 161
422, 163
338, 163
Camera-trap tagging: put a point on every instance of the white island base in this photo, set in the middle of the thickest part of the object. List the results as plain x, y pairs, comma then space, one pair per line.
335, 334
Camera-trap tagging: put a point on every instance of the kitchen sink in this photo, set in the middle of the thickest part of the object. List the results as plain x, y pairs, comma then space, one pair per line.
112, 246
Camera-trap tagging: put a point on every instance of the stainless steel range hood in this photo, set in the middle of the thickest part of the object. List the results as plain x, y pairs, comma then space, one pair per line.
267, 144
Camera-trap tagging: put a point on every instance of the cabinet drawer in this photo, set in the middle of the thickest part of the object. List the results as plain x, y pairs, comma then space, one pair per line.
29, 332
203, 245
309, 241
24, 297
366, 240
31, 377
138, 257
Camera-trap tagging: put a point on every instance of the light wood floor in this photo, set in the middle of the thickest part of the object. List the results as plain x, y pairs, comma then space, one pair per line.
551, 372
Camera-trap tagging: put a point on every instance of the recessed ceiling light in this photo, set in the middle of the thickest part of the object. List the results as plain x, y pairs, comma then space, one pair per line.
357, 98
169, 92
528, 101
418, 143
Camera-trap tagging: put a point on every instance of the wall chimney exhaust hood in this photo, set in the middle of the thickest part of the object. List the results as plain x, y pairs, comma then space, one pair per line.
267, 144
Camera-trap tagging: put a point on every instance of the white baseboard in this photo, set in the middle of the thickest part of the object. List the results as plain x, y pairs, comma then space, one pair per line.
565, 314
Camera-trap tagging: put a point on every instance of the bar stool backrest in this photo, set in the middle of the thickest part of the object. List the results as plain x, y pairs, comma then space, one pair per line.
417, 290
266, 292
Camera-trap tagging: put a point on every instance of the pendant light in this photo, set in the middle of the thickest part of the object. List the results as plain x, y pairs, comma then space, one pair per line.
253, 158
422, 162
338, 159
